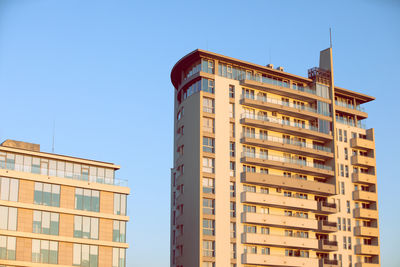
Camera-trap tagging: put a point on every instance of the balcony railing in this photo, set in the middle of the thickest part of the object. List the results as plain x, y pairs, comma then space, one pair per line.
327, 204
68, 175
283, 103
330, 262
278, 121
286, 160
350, 106
285, 141
350, 122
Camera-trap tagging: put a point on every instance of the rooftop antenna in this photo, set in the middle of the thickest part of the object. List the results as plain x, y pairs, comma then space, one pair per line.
54, 132
330, 36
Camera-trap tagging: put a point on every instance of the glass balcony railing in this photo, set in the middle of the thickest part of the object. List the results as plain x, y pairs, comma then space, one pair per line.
283, 103
286, 141
286, 160
350, 122
278, 121
350, 106
68, 175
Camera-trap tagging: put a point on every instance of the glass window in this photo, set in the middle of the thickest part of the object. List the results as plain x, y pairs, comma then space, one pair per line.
208, 185
119, 229
208, 206
119, 204
86, 227
47, 194
118, 259
85, 255
9, 189
208, 227
8, 218
208, 248
208, 144
44, 251
86, 199
45, 222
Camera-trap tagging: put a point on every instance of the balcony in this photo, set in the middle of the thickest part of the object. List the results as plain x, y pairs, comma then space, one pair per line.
327, 226
279, 241
366, 231
351, 109
273, 104
328, 263
363, 161
274, 260
295, 184
363, 178
365, 196
278, 201
327, 245
326, 207
286, 145
280, 221
287, 164
365, 213
280, 125
365, 264
362, 143
362, 249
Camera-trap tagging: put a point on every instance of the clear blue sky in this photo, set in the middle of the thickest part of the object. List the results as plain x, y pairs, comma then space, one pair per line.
101, 70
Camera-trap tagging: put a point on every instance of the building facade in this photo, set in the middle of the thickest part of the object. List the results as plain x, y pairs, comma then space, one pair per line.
270, 168
59, 210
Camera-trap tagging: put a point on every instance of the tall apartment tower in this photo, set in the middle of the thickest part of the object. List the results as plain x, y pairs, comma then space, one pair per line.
59, 210
270, 168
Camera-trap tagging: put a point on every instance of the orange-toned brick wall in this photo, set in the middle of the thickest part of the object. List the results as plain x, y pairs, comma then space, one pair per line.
24, 221
65, 253
105, 229
66, 225
106, 202
105, 256
67, 197
26, 191
24, 249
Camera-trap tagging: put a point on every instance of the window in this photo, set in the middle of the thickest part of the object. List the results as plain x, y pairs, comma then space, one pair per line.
44, 251
339, 224
250, 229
208, 105
264, 230
250, 249
119, 230
232, 189
207, 65
208, 227
9, 189
8, 218
264, 170
346, 171
118, 257
231, 91
208, 206
348, 206
349, 225
45, 222
344, 224
86, 199
344, 242
207, 85
231, 110
342, 188
208, 144
265, 250
179, 115
7, 247
207, 264
346, 153
47, 194
86, 227
208, 185
247, 168
342, 170
208, 248
233, 250
232, 149
232, 209
86, 255
208, 165
232, 169
340, 135
208, 125
248, 188
249, 208
264, 190
232, 129
233, 230
120, 204
345, 136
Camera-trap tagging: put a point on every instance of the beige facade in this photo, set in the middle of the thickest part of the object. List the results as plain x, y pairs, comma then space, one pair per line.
59, 210
270, 168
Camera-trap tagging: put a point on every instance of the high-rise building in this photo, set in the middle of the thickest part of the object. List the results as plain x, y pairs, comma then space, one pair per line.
58, 210
270, 168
